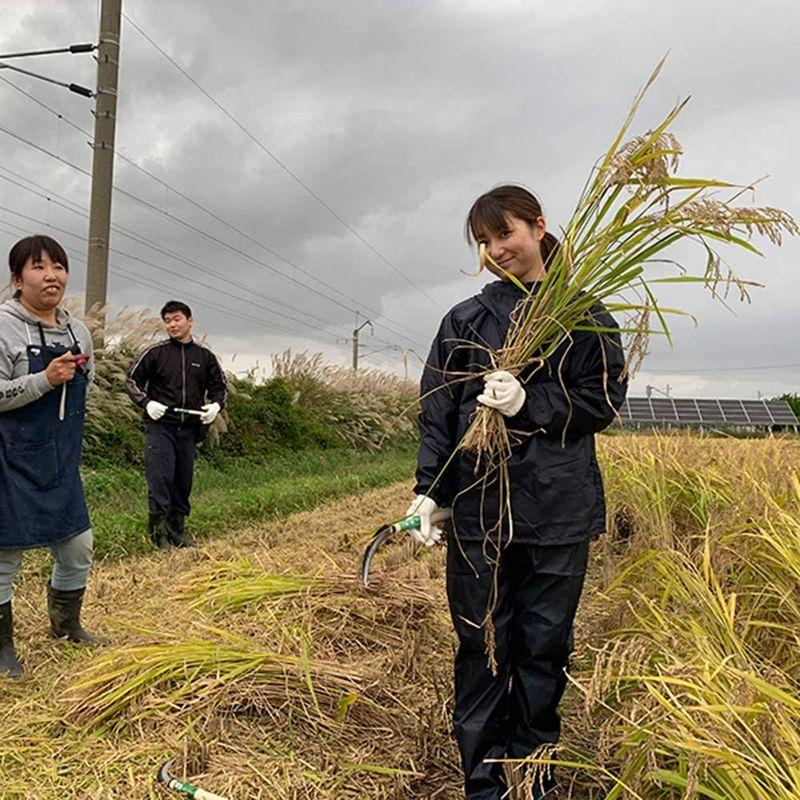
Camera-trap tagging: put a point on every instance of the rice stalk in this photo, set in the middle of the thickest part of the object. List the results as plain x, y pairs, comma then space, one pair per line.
175, 676
231, 586
631, 213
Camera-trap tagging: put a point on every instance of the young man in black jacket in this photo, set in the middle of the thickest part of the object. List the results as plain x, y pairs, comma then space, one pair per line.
181, 387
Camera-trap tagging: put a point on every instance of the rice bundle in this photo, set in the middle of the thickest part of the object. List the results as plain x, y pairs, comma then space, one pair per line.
632, 211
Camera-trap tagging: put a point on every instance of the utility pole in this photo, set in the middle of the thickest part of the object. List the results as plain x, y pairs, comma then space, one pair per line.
356, 331
103, 162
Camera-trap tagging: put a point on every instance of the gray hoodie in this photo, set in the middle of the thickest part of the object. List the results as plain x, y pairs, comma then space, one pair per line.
18, 329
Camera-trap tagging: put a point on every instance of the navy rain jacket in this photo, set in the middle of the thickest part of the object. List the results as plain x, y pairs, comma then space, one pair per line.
556, 489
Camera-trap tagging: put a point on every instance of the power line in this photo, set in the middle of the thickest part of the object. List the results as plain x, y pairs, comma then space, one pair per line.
198, 231
150, 283
283, 166
171, 272
213, 215
118, 271
165, 251
131, 277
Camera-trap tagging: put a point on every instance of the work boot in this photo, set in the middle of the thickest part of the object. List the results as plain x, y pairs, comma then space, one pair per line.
64, 607
158, 528
177, 533
9, 664
152, 521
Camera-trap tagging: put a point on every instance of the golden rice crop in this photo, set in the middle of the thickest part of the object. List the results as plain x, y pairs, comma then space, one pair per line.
304, 686
691, 684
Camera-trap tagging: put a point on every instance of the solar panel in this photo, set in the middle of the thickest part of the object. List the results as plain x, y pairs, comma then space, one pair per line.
691, 411
781, 412
664, 408
687, 410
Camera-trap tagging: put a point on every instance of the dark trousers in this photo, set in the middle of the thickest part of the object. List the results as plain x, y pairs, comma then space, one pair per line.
513, 713
169, 454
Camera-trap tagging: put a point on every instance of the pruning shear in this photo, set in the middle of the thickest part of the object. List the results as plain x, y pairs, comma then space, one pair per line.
381, 536
184, 788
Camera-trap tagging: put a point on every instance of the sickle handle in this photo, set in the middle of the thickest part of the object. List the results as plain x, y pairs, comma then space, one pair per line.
202, 794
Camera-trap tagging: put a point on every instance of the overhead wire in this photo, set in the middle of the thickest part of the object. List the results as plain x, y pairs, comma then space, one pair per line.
213, 304
700, 370
282, 165
213, 215
139, 239
200, 232
160, 268
191, 263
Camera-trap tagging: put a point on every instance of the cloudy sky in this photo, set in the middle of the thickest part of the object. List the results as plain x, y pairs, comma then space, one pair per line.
356, 137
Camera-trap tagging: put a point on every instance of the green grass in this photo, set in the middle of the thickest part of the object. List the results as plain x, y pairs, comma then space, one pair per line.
230, 494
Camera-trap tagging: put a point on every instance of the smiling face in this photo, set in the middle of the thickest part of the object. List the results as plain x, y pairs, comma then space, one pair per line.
41, 284
515, 247
178, 325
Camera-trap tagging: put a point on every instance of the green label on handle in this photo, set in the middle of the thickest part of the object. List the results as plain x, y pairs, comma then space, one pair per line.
408, 523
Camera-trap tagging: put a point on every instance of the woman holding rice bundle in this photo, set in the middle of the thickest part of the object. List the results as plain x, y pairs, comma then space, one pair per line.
519, 564
46, 366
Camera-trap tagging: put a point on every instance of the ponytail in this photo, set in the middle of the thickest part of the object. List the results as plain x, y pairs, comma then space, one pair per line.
549, 247
488, 213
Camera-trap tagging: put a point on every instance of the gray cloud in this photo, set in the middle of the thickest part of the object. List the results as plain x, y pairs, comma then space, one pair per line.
398, 115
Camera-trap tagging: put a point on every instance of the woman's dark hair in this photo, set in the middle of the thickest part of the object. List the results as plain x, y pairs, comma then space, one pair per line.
32, 247
176, 305
489, 211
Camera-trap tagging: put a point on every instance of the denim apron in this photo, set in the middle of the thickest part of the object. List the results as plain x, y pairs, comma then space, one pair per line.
41, 493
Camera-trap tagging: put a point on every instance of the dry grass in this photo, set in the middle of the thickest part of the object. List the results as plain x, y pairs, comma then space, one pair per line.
691, 679
267, 669
364, 406
263, 666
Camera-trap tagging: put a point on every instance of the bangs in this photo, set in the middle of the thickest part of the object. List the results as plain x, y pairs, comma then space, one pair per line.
486, 216
52, 248
32, 247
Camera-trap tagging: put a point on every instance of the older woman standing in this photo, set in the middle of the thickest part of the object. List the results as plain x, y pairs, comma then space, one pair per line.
45, 368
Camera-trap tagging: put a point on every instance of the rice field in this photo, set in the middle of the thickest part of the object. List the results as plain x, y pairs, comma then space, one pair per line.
268, 672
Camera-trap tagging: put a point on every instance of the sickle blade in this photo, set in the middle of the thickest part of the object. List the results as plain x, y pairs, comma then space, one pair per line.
379, 538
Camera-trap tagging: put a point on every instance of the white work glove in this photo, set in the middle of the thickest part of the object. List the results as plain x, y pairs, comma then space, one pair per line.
210, 411
427, 534
504, 392
155, 410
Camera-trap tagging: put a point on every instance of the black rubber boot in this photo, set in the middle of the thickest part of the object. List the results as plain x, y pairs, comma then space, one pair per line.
9, 663
152, 520
65, 615
158, 527
177, 532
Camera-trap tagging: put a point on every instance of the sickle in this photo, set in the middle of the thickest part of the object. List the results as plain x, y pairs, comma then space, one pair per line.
376, 542
385, 532
184, 788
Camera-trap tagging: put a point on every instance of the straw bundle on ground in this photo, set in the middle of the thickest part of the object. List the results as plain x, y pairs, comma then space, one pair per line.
686, 669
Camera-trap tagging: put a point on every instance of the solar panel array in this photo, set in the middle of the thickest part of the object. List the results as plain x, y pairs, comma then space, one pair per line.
690, 411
